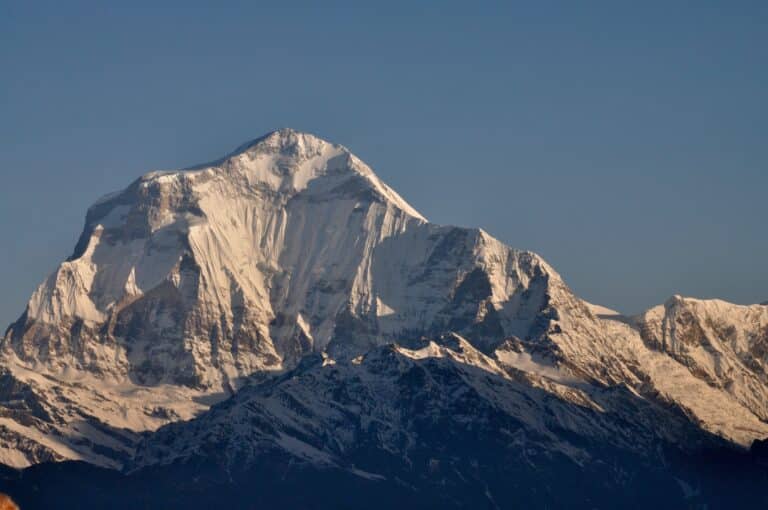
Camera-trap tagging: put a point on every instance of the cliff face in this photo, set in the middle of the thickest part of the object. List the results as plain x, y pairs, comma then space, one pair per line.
723, 344
288, 275
204, 276
190, 281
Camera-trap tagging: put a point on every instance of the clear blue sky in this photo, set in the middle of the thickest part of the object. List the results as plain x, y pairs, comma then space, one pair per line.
624, 141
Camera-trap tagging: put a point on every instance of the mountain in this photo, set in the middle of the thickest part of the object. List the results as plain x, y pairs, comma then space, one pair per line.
282, 310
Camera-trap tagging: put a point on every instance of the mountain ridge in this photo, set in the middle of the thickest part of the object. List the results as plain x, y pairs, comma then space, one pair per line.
193, 297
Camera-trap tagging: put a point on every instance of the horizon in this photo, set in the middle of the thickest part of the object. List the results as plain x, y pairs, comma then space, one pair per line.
637, 169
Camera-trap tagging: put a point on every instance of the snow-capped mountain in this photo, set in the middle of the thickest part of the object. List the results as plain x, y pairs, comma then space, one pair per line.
190, 281
329, 323
720, 343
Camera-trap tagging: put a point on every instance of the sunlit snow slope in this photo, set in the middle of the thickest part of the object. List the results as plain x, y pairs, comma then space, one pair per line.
190, 284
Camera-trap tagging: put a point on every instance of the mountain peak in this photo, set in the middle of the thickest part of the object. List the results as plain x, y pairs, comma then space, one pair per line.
290, 255
288, 141
295, 158
286, 161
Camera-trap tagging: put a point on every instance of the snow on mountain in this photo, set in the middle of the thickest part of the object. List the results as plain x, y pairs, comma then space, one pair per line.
447, 424
193, 285
723, 344
323, 412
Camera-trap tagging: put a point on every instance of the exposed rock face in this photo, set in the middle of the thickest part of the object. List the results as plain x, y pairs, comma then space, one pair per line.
204, 276
405, 402
198, 278
342, 321
723, 344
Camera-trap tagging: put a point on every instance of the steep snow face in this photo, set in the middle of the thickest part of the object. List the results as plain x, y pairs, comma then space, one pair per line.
723, 344
198, 278
184, 276
611, 349
203, 276
189, 284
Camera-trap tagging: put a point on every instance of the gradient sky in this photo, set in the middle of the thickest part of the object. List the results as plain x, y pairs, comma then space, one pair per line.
626, 142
